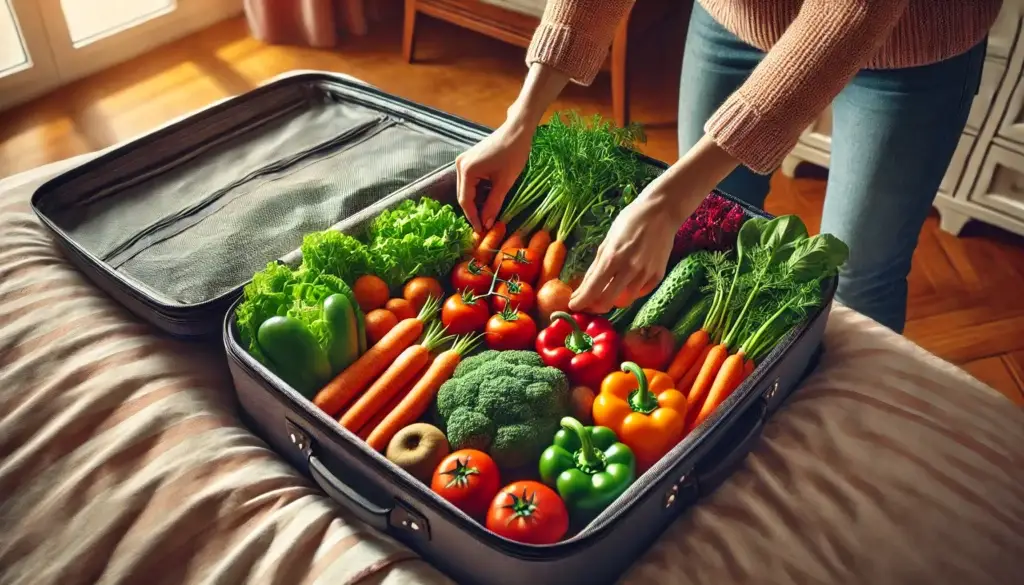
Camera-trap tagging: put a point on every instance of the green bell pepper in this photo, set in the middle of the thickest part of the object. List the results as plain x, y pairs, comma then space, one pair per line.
294, 354
588, 466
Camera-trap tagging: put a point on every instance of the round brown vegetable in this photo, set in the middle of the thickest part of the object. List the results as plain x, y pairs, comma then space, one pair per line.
418, 449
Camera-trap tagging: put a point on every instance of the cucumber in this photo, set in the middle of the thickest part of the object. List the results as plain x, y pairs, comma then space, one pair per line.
344, 346
359, 316
671, 295
692, 319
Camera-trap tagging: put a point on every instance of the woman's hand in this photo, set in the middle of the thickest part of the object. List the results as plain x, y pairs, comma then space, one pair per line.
498, 160
632, 259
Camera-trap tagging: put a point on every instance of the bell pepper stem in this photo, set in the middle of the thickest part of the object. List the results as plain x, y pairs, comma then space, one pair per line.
641, 399
588, 455
577, 341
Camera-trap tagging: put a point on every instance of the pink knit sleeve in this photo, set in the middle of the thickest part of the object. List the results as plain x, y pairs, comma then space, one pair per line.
821, 50
574, 36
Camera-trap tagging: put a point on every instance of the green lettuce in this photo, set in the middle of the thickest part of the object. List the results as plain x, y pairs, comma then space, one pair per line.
417, 238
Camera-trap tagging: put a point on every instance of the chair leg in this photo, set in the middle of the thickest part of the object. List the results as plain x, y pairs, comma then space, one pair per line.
409, 31
620, 74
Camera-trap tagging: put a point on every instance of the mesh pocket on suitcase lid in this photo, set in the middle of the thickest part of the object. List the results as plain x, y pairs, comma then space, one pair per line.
221, 251
104, 221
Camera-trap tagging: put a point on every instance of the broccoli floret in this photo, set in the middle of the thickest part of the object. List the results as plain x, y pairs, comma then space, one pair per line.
507, 403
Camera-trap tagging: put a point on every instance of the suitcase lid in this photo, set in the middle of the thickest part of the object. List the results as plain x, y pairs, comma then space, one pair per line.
176, 222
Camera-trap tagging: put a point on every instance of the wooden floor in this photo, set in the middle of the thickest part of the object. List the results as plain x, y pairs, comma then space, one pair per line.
966, 293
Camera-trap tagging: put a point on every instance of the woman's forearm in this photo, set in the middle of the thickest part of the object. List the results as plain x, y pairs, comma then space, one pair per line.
680, 189
541, 87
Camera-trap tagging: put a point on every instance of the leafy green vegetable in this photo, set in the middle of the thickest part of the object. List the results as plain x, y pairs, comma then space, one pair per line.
770, 285
423, 238
279, 290
333, 252
575, 164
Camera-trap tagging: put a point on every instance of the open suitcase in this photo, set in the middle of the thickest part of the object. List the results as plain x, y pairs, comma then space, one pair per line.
174, 224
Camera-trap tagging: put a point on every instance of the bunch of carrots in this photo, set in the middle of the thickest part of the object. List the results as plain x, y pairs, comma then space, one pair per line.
573, 168
396, 379
757, 297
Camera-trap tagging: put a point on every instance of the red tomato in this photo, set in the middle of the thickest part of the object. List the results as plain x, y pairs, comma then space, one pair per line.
472, 275
520, 294
510, 329
465, 312
521, 262
528, 512
468, 479
650, 347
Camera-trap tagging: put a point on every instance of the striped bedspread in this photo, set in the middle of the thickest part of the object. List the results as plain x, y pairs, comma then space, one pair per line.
123, 460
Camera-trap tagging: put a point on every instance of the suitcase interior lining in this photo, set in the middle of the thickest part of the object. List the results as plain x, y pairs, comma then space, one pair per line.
205, 221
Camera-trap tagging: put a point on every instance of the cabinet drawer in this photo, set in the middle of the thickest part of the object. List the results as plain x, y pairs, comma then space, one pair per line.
956, 164
991, 78
1000, 184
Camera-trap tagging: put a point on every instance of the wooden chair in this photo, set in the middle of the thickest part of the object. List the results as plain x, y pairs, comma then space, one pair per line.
516, 28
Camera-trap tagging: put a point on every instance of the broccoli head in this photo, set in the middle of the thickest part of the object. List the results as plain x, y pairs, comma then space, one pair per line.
506, 403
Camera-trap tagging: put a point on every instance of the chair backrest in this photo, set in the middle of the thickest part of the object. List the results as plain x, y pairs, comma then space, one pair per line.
533, 8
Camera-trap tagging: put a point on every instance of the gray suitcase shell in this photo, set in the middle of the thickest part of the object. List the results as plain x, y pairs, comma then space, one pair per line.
212, 197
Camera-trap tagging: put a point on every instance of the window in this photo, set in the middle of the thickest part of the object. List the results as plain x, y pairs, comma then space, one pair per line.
47, 43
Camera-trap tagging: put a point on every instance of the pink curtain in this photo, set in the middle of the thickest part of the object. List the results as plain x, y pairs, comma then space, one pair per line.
314, 23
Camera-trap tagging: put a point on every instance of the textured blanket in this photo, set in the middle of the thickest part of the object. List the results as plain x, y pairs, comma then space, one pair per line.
123, 460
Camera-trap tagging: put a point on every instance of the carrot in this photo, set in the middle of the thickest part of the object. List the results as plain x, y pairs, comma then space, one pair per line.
399, 375
554, 259
686, 382
539, 242
510, 245
422, 393
477, 238
687, 356
355, 378
702, 385
364, 432
515, 240
729, 377
490, 242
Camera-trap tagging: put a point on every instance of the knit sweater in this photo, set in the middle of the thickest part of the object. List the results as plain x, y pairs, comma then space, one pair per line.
812, 49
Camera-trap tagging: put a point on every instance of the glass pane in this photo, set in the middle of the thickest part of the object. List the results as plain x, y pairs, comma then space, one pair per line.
12, 48
89, 20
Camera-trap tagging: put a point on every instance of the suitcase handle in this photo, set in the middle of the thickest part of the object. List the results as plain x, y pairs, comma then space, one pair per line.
737, 447
369, 512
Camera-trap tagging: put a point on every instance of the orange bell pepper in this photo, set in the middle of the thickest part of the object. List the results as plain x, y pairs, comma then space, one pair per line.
644, 409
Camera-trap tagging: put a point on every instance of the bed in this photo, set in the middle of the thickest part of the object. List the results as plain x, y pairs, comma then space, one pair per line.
123, 460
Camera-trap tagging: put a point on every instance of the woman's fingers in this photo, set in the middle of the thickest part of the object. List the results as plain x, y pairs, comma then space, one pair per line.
465, 185
492, 205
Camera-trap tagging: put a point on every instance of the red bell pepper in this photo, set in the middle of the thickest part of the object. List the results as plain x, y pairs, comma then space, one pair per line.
585, 348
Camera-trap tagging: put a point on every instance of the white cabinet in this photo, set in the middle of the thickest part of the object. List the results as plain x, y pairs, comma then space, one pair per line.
985, 179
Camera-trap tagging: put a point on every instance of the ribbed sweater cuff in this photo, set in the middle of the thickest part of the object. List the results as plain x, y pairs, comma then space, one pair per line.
569, 50
739, 129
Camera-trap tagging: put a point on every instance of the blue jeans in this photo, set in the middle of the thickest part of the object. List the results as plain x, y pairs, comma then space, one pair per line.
893, 135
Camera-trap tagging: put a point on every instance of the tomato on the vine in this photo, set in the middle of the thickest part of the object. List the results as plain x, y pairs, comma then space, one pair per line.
519, 294
467, 478
521, 262
510, 329
528, 512
472, 275
465, 312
